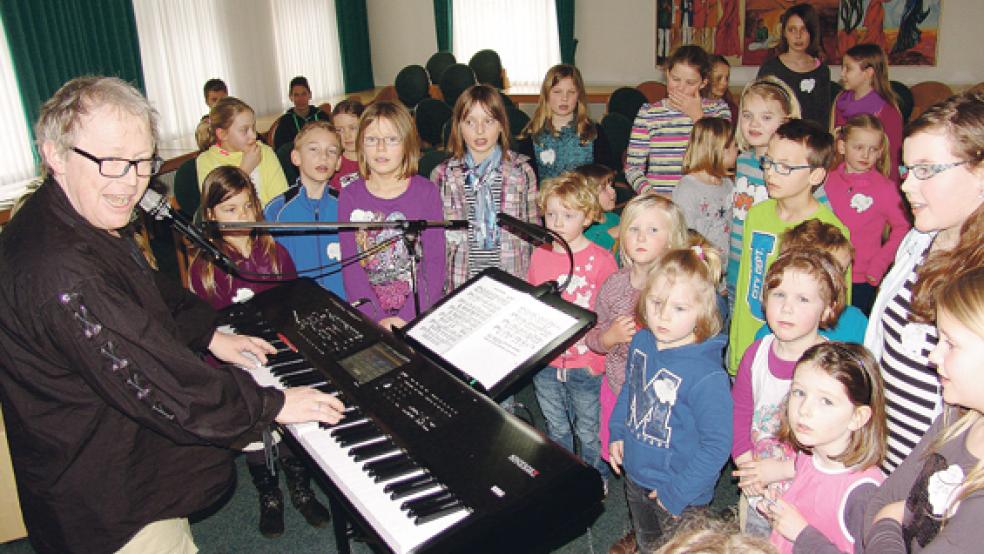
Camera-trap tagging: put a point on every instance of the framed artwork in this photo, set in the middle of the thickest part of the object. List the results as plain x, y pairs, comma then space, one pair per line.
747, 31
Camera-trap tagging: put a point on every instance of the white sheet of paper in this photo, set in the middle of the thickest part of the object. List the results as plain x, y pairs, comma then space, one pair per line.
489, 329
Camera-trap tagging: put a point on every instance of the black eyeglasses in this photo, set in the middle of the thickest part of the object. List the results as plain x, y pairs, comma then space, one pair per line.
118, 167
779, 167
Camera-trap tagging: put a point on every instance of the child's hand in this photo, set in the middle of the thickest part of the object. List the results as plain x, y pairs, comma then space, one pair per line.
872, 280
755, 475
619, 332
251, 158
785, 518
389, 323
895, 511
654, 496
689, 105
615, 451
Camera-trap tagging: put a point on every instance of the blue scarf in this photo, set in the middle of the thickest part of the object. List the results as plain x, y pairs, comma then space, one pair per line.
479, 179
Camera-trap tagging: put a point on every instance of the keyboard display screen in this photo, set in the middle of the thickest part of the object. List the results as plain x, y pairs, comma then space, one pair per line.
369, 363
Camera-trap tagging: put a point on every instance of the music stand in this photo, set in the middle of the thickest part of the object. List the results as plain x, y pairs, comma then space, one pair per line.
496, 328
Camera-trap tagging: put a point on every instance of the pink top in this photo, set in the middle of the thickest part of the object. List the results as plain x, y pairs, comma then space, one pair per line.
744, 399
347, 174
865, 202
821, 496
617, 298
592, 265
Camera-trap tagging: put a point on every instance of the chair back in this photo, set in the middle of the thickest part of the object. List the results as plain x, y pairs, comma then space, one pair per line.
412, 85
617, 128
290, 170
436, 65
653, 90
926, 94
517, 121
487, 67
187, 192
626, 101
906, 101
455, 80
430, 117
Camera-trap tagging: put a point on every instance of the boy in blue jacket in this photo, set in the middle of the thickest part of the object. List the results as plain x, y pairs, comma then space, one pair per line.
671, 426
316, 253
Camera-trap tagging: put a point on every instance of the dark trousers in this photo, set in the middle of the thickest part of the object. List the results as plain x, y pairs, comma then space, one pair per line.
653, 525
863, 297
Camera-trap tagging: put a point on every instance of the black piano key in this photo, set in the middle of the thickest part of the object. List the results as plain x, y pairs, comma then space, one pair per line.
406, 487
349, 416
312, 377
355, 434
375, 467
282, 368
398, 469
438, 511
363, 453
283, 356
326, 387
416, 505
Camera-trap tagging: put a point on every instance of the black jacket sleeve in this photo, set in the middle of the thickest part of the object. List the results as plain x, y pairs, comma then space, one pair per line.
196, 319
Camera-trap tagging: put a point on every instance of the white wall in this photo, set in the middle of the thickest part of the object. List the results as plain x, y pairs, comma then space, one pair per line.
616, 42
402, 33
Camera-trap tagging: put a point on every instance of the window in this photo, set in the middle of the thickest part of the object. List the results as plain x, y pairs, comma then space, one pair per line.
255, 47
15, 142
529, 48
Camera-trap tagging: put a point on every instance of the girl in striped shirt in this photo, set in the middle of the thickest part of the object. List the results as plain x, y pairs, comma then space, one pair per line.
661, 130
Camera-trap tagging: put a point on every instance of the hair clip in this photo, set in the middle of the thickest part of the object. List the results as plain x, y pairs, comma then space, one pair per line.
698, 250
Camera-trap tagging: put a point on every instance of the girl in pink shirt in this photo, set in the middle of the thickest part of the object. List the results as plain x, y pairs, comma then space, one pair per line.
835, 417
567, 389
865, 199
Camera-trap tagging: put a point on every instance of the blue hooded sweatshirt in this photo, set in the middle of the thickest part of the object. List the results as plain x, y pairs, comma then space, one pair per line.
674, 414
311, 250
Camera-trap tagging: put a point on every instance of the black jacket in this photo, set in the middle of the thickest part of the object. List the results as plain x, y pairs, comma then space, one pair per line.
113, 420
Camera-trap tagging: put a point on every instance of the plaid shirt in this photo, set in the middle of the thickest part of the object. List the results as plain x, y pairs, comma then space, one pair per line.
518, 199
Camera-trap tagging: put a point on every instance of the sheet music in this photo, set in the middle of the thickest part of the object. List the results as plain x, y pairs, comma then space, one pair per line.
489, 329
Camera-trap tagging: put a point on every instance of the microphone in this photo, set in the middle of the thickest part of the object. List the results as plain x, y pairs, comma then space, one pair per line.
536, 234
156, 205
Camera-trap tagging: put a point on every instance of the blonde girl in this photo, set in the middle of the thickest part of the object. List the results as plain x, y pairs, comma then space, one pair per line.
567, 388
804, 291
704, 193
345, 117
660, 131
867, 90
482, 178
560, 136
232, 141
651, 225
390, 190
835, 419
943, 477
765, 104
866, 200
669, 428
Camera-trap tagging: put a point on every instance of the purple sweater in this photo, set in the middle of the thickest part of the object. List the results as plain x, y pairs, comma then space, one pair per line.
616, 299
384, 277
227, 287
865, 202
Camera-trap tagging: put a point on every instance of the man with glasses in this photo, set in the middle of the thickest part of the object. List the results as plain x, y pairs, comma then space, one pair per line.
117, 429
794, 166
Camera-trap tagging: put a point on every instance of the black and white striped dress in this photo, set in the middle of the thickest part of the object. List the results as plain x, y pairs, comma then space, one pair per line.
913, 397
478, 257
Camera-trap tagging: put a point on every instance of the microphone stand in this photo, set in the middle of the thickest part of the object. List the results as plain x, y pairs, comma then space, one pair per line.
410, 229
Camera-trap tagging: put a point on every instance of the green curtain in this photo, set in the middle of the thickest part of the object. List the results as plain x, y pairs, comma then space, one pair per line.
353, 40
565, 26
55, 40
443, 23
